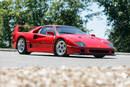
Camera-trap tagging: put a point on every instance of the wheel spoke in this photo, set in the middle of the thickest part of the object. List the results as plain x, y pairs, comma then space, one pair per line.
58, 50
62, 51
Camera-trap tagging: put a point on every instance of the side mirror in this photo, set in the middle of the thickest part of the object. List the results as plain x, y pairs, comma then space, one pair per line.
93, 35
50, 33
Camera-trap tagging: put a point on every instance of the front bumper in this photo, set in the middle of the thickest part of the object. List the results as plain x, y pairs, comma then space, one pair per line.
90, 51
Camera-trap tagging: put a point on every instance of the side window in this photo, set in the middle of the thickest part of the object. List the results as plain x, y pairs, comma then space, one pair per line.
45, 29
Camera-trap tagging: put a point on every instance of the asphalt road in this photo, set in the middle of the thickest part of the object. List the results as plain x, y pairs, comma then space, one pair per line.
13, 59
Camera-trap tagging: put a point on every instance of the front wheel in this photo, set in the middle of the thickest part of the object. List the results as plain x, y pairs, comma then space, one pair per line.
60, 48
99, 56
21, 46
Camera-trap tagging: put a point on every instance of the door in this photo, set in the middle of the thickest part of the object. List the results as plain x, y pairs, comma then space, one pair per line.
44, 42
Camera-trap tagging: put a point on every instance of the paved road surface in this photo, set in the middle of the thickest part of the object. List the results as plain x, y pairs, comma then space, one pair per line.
13, 59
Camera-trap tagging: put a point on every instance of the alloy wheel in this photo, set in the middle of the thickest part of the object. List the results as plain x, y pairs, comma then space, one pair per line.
61, 48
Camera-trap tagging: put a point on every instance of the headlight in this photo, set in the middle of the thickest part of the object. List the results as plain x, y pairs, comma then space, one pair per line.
110, 45
80, 44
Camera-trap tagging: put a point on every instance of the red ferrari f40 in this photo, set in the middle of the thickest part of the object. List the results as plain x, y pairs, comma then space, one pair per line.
61, 40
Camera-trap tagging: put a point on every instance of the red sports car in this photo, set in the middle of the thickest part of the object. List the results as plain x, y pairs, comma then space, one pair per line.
61, 40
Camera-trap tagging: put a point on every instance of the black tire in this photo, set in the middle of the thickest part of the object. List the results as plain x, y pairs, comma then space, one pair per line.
99, 56
23, 48
56, 52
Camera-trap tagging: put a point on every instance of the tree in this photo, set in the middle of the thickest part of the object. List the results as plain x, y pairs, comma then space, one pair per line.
118, 13
19, 12
5, 17
38, 12
66, 12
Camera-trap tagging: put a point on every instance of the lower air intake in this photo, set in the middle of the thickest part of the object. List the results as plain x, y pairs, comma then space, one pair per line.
99, 51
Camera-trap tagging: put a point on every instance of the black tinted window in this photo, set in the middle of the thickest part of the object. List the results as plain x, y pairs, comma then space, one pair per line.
69, 30
45, 29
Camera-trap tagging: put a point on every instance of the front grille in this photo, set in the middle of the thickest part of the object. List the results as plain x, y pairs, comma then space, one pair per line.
99, 51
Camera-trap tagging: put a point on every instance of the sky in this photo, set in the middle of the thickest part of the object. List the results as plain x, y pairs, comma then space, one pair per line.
98, 25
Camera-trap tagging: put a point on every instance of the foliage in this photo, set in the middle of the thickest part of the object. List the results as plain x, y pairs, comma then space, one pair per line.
118, 12
38, 12
5, 18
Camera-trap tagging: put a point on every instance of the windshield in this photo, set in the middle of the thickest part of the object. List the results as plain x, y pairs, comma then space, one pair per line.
69, 30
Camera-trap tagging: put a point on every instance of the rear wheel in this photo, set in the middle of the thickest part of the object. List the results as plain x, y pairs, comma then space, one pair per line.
61, 48
21, 46
99, 56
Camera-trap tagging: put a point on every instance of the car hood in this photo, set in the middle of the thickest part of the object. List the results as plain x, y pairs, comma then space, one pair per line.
88, 40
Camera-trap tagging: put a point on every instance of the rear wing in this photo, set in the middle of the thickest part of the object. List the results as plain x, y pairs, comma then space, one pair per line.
17, 27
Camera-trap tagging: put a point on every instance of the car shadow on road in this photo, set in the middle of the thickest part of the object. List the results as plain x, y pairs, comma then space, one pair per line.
73, 56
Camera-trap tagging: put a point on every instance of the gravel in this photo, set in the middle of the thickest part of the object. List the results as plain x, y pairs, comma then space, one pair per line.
91, 76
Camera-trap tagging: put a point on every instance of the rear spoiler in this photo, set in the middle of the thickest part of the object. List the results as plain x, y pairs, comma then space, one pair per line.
17, 27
